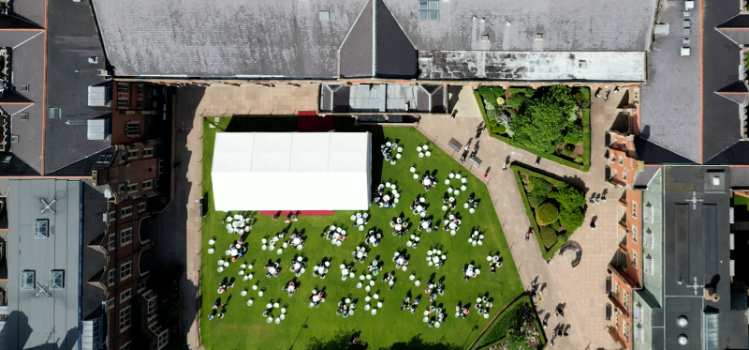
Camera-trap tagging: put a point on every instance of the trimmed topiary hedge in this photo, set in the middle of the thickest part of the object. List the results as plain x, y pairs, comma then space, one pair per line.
548, 236
547, 213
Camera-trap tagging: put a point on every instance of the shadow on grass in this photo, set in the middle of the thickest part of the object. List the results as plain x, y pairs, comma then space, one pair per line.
254, 123
343, 341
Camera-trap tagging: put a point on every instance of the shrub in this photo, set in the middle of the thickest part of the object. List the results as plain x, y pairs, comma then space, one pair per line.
536, 199
547, 213
548, 236
500, 129
569, 197
579, 160
500, 101
528, 92
516, 100
555, 225
568, 150
571, 218
582, 97
538, 184
490, 93
574, 134
541, 124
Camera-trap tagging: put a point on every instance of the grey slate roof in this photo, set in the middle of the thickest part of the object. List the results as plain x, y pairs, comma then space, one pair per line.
287, 38
670, 108
69, 74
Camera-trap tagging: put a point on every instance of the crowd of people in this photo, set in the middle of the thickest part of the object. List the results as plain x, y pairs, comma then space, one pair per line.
298, 265
360, 253
290, 288
373, 237
400, 227
436, 320
400, 260
494, 262
316, 298
386, 195
273, 269
389, 278
482, 305
224, 285
434, 289
426, 224
419, 207
335, 234
320, 269
470, 272
359, 220
451, 222
346, 308
410, 305
238, 224
428, 181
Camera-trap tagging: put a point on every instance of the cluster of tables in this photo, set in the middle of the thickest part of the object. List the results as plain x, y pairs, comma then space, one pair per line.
476, 238
374, 298
238, 224
387, 149
336, 235
386, 195
359, 220
436, 258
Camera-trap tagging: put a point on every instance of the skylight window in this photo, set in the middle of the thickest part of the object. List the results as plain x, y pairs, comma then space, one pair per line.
41, 228
324, 15
57, 279
28, 280
429, 10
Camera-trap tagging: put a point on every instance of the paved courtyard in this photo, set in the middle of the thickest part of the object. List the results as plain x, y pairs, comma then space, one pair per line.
581, 290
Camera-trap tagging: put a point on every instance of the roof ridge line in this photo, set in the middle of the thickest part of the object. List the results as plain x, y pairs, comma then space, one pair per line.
374, 37
667, 148
721, 152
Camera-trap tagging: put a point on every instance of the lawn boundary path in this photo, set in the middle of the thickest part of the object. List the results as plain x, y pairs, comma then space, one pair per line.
491, 323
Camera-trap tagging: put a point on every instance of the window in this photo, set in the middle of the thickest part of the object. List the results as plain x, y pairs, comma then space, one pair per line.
162, 167
634, 209
111, 216
429, 10
110, 277
634, 233
626, 300
41, 228
126, 211
110, 303
132, 187
147, 152
634, 259
147, 184
324, 15
54, 113
57, 279
141, 207
624, 145
647, 214
648, 265
124, 318
616, 319
126, 236
133, 153
616, 289
141, 285
126, 346
105, 158
126, 295
163, 339
625, 330
132, 129
639, 334
111, 242
126, 270
28, 280
153, 306
638, 312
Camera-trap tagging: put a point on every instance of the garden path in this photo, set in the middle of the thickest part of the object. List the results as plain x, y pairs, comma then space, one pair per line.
582, 289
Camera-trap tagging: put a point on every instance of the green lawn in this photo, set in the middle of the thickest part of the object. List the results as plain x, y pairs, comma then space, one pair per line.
244, 327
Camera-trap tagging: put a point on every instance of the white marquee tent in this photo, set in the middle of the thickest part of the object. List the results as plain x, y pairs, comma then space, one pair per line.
292, 171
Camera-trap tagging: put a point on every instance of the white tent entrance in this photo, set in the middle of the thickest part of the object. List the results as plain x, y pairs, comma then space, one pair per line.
292, 171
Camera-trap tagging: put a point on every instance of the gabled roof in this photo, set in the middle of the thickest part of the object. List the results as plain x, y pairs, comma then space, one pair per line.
736, 154
736, 92
652, 153
289, 38
736, 29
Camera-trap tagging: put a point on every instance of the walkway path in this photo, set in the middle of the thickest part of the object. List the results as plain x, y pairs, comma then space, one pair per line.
582, 289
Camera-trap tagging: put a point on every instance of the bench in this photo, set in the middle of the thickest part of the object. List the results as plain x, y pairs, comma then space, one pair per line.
455, 145
475, 161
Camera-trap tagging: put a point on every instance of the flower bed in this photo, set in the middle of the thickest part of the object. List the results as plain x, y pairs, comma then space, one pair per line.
551, 122
554, 208
516, 328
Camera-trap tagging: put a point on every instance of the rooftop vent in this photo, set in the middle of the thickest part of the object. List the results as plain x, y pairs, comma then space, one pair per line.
93, 59
683, 339
682, 321
539, 36
485, 38
324, 15
689, 5
685, 51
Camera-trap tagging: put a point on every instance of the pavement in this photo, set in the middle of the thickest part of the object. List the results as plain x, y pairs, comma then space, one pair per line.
259, 99
580, 290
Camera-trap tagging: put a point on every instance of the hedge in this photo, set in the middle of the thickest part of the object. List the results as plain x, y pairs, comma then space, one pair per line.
584, 167
548, 236
562, 237
547, 213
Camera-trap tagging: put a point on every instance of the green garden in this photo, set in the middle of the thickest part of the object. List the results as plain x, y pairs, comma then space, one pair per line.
517, 327
309, 327
552, 122
555, 208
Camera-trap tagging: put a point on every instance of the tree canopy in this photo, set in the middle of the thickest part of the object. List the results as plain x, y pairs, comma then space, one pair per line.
546, 118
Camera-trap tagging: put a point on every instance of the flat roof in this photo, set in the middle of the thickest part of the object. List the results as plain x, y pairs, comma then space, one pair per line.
533, 66
36, 321
696, 246
288, 38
